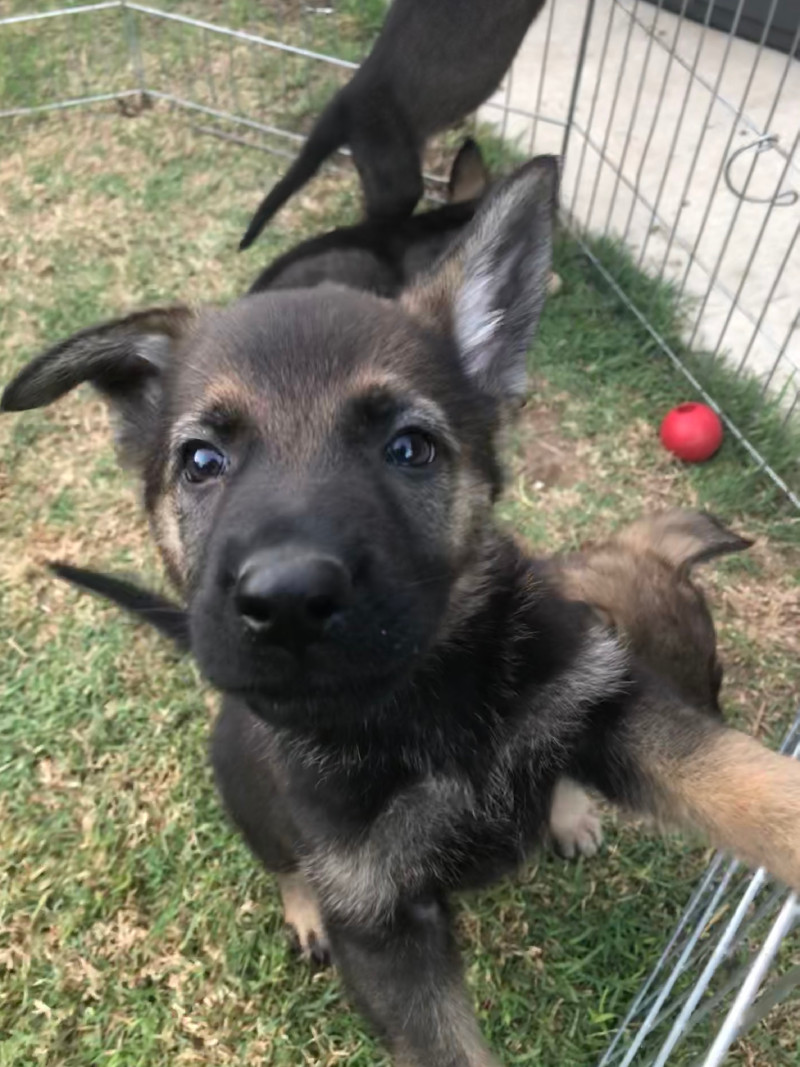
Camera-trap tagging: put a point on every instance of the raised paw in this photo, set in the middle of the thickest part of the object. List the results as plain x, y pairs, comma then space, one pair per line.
302, 915
554, 284
574, 823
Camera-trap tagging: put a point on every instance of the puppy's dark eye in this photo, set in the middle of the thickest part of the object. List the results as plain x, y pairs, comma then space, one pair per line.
202, 462
411, 448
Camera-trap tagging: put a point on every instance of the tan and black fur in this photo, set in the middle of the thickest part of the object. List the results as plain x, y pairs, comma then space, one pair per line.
402, 686
639, 583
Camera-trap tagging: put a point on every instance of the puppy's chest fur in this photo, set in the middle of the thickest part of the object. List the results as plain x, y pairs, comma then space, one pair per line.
447, 784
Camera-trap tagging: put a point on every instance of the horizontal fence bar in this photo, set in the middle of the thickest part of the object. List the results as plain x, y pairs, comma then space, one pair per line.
62, 105
36, 16
227, 116
520, 112
242, 35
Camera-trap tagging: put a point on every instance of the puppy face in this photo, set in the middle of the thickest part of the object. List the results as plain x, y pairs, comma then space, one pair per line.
330, 439
319, 465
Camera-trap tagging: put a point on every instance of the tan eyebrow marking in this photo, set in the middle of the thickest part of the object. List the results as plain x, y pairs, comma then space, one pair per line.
231, 395
416, 406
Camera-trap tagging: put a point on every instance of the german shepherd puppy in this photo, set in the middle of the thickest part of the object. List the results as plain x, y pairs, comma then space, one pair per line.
431, 65
402, 686
638, 583
382, 255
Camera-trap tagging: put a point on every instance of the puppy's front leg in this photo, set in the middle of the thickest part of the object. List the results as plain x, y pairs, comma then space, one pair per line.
405, 974
666, 759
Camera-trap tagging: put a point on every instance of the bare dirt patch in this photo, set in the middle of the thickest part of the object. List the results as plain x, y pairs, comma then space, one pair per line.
541, 454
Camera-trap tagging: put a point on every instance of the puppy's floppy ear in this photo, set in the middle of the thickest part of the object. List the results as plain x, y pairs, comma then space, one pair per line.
469, 176
682, 538
124, 359
488, 290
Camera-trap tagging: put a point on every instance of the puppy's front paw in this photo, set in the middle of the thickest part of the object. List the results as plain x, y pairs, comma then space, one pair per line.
574, 823
554, 284
302, 915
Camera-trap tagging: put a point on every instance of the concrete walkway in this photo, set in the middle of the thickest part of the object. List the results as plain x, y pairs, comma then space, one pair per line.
663, 107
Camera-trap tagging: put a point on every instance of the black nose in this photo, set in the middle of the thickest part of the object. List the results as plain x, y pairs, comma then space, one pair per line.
288, 596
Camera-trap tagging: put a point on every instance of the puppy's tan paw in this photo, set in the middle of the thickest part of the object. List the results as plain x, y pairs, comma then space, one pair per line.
554, 284
574, 823
302, 915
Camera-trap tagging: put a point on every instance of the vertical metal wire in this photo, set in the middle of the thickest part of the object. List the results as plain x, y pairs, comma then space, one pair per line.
690, 85
282, 59
656, 115
577, 80
726, 152
131, 31
543, 70
209, 71
77, 60
781, 353
165, 78
611, 116
704, 127
308, 63
620, 170
509, 79
235, 102
793, 382
753, 252
186, 66
592, 108
740, 200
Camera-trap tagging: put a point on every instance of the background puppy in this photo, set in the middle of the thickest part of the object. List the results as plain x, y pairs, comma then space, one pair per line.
402, 686
432, 64
639, 583
382, 255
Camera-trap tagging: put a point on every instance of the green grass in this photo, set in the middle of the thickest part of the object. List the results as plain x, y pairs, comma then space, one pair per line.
135, 929
620, 374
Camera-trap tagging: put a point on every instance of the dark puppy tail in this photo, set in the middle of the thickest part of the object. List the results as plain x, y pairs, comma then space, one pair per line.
329, 133
168, 618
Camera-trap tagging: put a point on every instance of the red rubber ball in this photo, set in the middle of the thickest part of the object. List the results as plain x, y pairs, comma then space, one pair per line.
693, 432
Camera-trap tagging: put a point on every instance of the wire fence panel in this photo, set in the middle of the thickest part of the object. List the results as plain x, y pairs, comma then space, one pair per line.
683, 142
731, 959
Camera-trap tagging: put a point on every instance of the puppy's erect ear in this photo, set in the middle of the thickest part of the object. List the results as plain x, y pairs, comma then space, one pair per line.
123, 359
488, 290
469, 177
682, 538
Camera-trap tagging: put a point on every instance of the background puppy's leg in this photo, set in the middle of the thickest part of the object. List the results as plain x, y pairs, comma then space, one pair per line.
388, 160
405, 976
668, 760
574, 823
240, 755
